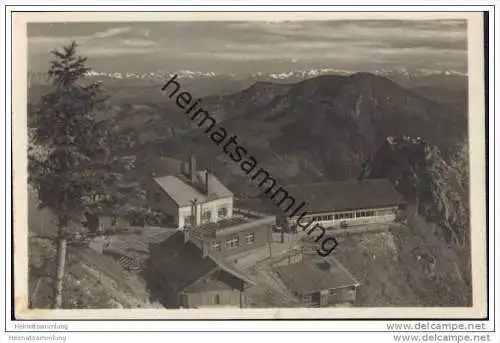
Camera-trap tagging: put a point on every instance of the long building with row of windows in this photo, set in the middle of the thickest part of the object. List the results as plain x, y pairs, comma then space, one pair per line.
345, 203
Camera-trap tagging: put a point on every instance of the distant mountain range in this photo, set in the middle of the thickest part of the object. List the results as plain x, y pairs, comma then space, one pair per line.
398, 75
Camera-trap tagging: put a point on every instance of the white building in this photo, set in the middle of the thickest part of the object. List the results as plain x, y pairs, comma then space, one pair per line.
192, 197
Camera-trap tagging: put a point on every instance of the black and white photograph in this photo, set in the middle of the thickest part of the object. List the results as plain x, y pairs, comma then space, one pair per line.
252, 164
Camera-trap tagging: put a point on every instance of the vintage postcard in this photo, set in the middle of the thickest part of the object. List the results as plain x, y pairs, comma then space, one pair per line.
249, 165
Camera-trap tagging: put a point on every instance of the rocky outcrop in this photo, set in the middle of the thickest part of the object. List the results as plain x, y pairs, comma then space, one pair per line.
438, 188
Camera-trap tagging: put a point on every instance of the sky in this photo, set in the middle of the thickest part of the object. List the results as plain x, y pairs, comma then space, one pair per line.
250, 46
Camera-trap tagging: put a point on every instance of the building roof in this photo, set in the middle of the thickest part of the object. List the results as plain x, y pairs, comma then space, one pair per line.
209, 285
182, 263
183, 192
346, 195
309, 277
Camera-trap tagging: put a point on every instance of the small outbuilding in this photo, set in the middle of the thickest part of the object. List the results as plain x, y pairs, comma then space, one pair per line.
319, 283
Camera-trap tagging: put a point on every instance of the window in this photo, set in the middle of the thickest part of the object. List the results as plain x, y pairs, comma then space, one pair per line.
329, 217
331, 292
217, 299
206, 216
363, 214
222, 212
345, 215
113, 221
250, 238
216, 245
233, 242
188, 220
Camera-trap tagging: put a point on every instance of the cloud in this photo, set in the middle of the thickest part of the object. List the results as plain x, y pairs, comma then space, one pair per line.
334, 42
109, 51
112, 32
145, 32
52, 41
138, 43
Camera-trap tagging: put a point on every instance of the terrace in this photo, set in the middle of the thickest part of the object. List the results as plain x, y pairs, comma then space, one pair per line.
240, 221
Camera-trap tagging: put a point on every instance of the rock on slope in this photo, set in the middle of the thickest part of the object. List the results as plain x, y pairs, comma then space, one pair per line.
438, 188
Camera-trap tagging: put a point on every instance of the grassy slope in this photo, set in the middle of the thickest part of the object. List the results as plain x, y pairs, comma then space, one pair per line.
396, 268
92, 280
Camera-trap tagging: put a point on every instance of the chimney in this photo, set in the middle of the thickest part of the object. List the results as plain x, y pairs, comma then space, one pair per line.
204, 248
192, 168
194, 212
185, 168
206, 182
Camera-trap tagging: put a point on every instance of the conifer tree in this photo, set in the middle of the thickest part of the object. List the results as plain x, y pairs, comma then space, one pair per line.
76, 170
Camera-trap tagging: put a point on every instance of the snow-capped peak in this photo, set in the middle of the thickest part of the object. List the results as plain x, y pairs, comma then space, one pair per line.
293, 75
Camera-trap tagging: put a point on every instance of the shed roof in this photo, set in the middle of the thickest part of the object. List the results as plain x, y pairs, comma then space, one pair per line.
183, 191
346, 195
309, 277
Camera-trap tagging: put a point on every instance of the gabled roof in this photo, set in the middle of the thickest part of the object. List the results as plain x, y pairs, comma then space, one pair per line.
183, 191
309, 277
182, 263
346, 195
